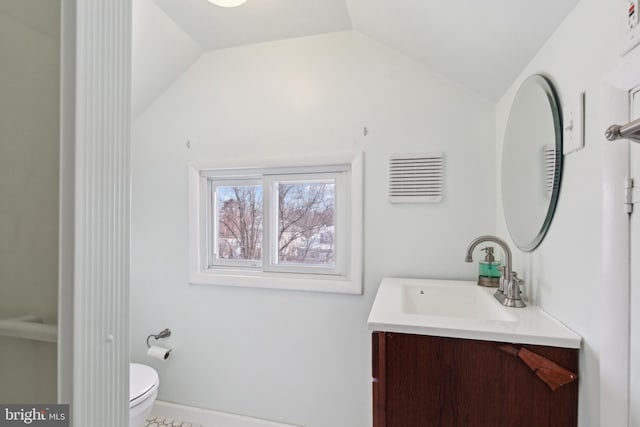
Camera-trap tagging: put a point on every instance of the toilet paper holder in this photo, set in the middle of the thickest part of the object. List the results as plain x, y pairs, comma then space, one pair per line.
162, 334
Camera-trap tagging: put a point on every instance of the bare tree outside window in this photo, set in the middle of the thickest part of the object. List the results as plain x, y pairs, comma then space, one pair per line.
304, 222
306, 227
240, 222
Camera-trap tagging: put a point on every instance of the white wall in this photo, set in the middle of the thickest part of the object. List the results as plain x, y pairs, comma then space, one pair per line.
301, 358
162, 51
564, 274
29, 146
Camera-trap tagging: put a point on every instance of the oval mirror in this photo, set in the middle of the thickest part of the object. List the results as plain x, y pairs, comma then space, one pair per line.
532, 162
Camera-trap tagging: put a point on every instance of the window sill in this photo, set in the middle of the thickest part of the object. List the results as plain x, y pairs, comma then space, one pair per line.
282, 281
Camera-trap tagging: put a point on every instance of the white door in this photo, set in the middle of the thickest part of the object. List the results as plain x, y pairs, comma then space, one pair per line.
634, 330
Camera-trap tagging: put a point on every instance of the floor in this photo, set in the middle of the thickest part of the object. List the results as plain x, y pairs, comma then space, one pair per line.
164, 422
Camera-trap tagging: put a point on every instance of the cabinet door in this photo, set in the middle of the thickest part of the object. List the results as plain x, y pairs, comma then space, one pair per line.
422, 381
377, 378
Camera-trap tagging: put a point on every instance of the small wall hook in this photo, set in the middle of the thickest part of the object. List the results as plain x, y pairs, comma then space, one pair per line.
162, 334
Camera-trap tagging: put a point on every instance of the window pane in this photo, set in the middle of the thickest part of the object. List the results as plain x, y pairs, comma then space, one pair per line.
239, 222
306, 229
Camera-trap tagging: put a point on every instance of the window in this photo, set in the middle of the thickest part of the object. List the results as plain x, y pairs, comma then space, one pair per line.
304, 224
301, 228
278, 226
236, 220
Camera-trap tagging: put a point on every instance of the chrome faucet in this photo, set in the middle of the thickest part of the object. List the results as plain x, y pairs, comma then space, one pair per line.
508, 292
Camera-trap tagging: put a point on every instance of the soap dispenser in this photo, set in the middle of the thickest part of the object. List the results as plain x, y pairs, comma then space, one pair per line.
489, 270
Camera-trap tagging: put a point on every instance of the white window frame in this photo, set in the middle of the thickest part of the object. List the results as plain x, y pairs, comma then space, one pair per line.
346, 277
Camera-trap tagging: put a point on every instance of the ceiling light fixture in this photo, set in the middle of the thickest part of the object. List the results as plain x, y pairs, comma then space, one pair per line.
227, 3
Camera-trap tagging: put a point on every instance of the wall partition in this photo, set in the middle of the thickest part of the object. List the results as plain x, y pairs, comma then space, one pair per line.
29, 188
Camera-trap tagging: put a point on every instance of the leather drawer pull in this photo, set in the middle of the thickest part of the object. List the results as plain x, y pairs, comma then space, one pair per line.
554, 375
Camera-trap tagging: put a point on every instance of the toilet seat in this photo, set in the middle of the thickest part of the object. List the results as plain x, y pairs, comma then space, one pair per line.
143, 382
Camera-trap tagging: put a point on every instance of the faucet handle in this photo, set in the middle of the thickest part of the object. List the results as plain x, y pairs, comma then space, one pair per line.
501, 285
518, 280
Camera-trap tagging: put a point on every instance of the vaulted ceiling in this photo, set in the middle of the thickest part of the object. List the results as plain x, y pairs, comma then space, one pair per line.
482, 45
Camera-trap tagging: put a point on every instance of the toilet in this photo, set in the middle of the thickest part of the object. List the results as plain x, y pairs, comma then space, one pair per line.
143, 390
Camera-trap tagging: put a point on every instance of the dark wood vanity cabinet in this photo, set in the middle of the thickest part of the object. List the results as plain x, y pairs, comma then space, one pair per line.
425, 381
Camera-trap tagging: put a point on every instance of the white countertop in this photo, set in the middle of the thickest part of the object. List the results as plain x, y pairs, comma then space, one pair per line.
394, 310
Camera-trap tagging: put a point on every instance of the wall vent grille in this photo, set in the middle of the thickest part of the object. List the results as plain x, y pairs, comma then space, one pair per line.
416, 178
549, 153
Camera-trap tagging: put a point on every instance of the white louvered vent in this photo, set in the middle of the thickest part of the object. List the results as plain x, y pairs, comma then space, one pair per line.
416, 178
549, 153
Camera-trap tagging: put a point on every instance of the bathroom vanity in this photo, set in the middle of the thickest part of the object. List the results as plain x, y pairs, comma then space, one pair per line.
446, 353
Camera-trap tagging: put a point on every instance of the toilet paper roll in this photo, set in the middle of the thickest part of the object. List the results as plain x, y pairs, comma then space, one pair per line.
158, 352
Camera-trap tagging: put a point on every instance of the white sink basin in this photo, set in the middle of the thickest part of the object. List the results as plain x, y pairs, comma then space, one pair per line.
462, 309
453, 300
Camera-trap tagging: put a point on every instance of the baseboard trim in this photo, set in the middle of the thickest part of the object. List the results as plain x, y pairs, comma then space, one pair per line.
208, 417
